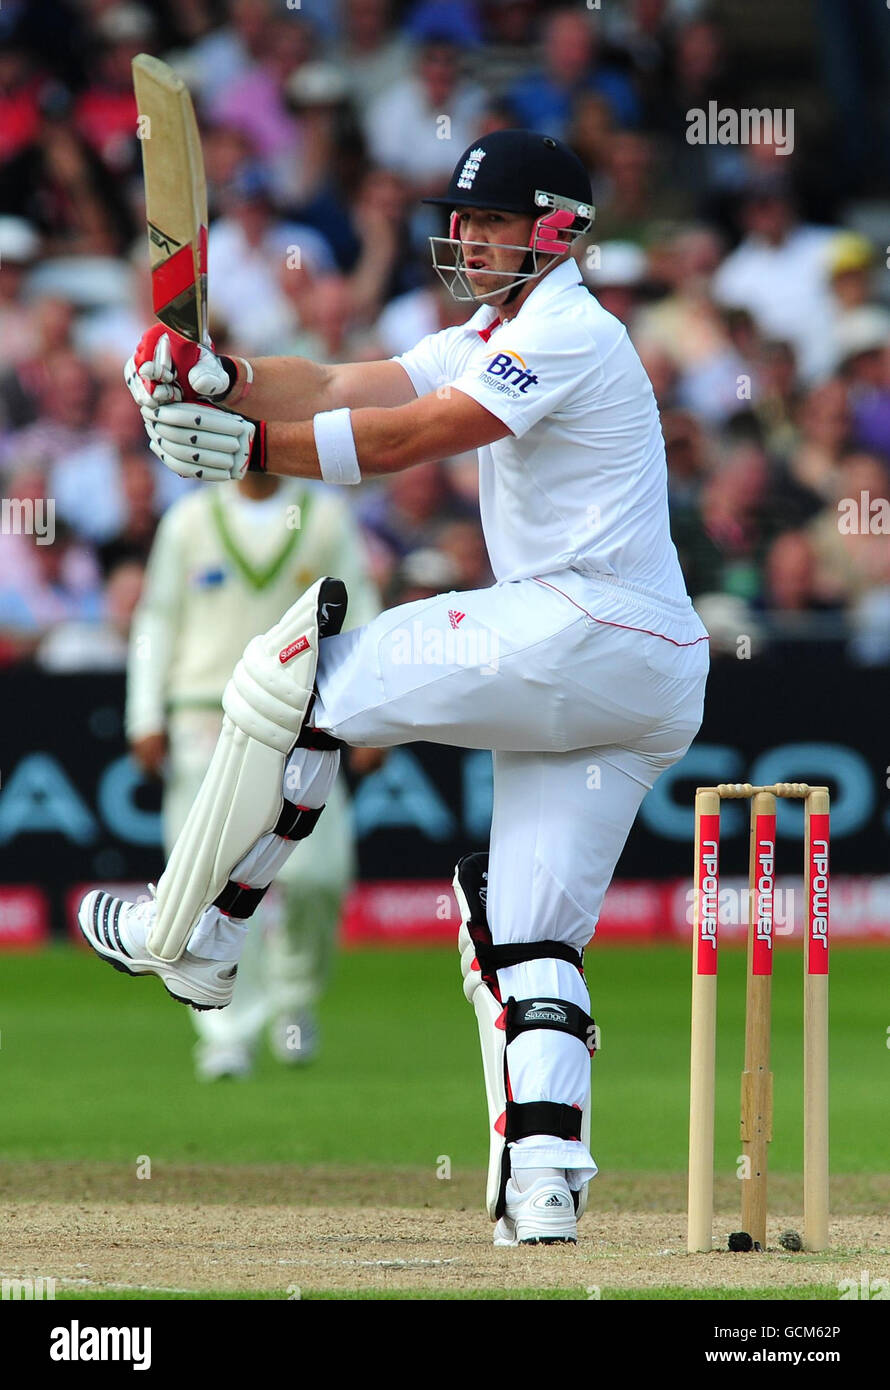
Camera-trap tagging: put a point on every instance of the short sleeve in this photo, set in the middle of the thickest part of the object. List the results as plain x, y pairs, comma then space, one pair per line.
425, 363
532, 371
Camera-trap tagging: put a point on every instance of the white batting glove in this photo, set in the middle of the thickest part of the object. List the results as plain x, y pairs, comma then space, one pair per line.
167, 367
202, 441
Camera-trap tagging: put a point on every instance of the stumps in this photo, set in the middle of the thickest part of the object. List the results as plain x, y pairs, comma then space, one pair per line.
757, 1081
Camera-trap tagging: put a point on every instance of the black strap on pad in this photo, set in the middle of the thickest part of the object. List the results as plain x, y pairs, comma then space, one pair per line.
293, 823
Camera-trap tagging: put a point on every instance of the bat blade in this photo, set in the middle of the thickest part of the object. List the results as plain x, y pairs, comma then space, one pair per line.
175, 198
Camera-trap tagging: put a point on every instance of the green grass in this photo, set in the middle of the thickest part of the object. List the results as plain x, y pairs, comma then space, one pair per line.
96, 1066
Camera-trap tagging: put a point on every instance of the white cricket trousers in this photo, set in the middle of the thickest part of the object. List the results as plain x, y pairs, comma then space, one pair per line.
586, 689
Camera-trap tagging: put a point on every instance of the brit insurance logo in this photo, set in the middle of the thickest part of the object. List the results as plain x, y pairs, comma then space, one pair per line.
507, 373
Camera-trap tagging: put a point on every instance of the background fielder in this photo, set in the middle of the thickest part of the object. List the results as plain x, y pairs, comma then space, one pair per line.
225, 565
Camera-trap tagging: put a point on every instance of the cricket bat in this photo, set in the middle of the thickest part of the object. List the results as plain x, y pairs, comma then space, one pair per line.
175, 198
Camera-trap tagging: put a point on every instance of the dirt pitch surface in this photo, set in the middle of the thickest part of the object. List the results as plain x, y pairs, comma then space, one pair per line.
284, 1229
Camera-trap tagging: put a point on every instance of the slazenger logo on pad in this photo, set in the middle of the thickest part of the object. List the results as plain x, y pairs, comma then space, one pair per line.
543, 1011
294, 649
507, 373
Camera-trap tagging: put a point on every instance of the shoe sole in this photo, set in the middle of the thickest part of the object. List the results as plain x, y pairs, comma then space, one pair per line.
144, 974
548, 1240
504, 1237
535, 1240
149, 969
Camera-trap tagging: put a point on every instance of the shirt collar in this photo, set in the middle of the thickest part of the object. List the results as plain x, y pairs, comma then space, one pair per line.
562, 277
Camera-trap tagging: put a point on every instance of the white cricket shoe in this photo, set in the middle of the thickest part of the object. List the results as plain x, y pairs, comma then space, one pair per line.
117, 932
542, 1214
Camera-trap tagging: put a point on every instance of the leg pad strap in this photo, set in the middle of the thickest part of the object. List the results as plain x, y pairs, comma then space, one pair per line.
316, 738
522, 1015
295, 823
494, 958
238, 900
542, 1117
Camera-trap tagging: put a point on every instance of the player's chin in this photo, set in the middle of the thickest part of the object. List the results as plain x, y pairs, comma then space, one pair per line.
482, 282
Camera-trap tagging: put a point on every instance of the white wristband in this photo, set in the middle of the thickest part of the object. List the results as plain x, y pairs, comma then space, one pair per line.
336, 447
248, 377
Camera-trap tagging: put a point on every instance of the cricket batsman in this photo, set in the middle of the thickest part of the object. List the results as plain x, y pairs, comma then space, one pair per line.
592, 661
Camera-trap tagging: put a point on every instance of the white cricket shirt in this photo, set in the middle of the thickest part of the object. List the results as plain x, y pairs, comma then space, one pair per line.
581, 481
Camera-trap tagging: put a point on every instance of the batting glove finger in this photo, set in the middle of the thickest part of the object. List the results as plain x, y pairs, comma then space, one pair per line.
146, 392
152, 381
160, 367
191, 415
208, 377
206, 473
204, 442
206, 458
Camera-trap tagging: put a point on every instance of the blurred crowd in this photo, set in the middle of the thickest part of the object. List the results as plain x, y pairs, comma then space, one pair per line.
751, 285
